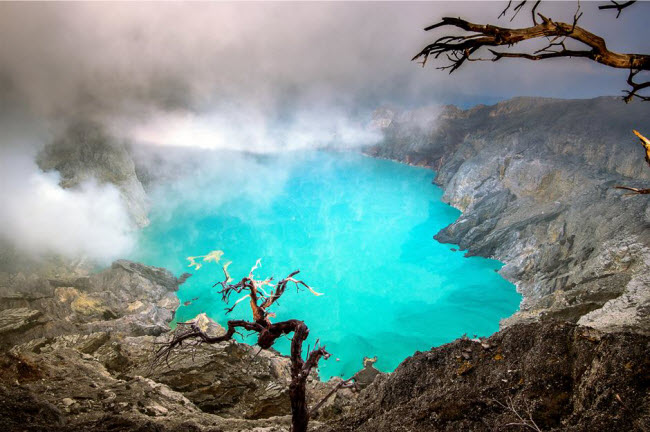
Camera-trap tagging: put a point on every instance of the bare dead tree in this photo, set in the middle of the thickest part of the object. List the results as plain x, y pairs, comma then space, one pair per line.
189, 334
466, 47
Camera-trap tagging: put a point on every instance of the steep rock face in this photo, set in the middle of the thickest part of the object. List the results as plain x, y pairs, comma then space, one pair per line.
534, 178
87, 152
127, 297
561, 376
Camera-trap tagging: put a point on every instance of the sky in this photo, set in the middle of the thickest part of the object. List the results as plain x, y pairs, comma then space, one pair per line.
136, 61
244, 76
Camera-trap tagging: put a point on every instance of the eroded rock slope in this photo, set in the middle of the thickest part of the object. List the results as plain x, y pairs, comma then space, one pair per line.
77, 354
535, 181
87, 152
555, 376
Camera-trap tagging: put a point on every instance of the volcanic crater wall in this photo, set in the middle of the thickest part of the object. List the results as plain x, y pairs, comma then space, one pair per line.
534, 178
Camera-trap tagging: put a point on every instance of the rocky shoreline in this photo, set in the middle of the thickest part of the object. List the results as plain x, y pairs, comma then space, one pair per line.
77, 354
534, 179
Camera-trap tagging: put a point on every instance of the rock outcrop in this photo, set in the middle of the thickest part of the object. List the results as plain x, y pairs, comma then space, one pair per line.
128, 297
62, 388
86, 152
560, 376
77, 354
534, 179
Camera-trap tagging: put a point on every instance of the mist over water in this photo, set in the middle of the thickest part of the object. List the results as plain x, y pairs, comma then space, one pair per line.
359, 229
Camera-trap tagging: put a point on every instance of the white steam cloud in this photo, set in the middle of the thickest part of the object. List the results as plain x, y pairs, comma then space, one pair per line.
253, 131
42, 218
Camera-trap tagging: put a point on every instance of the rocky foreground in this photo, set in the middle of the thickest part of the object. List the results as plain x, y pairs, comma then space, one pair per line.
78, 355
544, 377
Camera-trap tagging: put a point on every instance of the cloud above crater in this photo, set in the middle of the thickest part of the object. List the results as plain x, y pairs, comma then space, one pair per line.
133, 60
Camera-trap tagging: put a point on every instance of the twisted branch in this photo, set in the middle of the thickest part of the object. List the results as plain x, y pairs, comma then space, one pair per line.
460, 49
636, 87
190, 331
618, 6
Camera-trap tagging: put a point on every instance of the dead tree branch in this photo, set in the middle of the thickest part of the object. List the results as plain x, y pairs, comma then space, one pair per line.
260, 300
526, 422
519, 7
636, 87
459, 49
634, 191
645, 142
618, 6
348, 383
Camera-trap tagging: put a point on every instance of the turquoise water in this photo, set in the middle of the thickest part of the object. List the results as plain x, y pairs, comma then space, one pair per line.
359, 229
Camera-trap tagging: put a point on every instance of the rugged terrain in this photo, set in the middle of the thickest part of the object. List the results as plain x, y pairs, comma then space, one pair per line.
77, 354
555, 376
535, 181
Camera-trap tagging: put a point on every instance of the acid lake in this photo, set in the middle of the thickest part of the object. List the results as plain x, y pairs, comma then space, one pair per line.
360, 230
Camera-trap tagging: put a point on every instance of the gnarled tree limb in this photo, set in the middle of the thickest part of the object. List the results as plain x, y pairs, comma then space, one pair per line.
459, 49
645, 142
618, 6
634, 191
636, 87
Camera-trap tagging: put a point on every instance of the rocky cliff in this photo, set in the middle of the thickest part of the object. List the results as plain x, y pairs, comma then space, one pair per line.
536, 377
534, 179
86, 151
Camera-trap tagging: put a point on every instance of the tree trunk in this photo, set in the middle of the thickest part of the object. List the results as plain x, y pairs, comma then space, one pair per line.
299, 411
